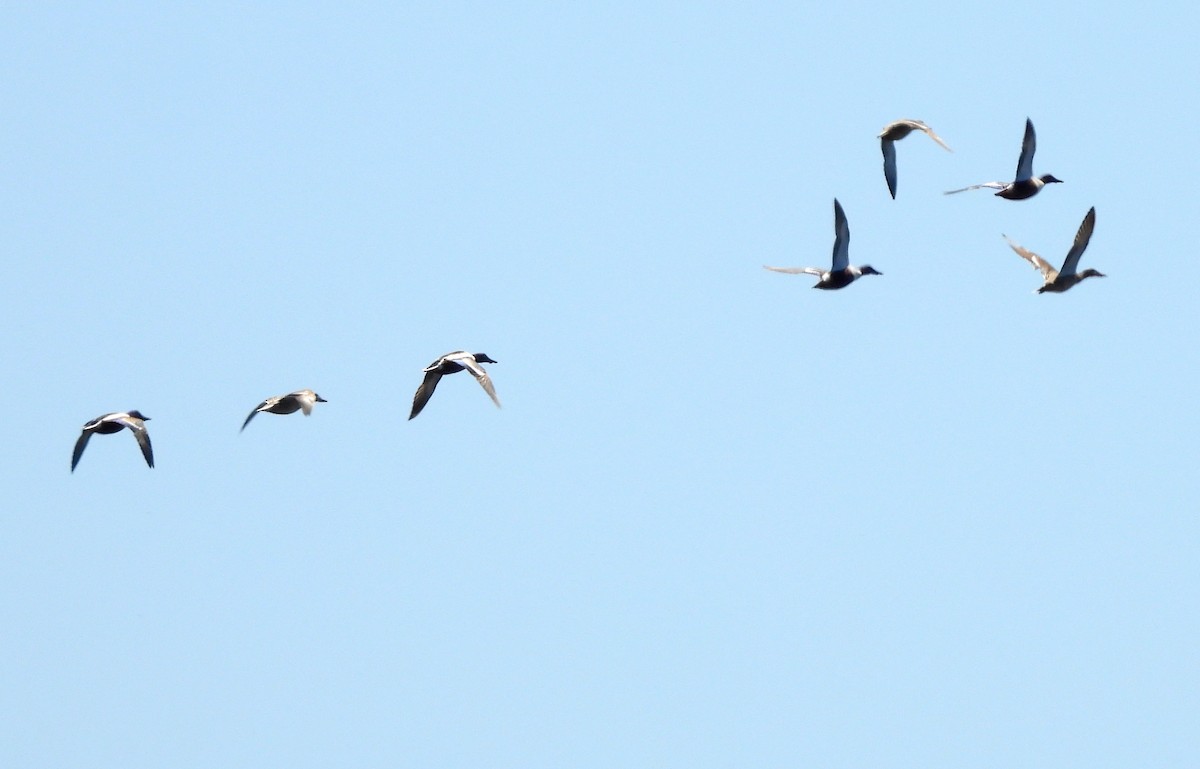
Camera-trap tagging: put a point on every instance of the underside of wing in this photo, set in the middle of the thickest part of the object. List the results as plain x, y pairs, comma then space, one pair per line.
257, 409
80, 445
929, 132
796, 270
1038, 262
143, 439
985, 185
485, 382
889, 165
425, 391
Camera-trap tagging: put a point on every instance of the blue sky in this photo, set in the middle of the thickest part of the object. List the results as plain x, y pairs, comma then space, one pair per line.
931, 520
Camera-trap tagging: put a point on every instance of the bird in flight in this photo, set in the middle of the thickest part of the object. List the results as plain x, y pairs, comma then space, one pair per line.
841, 273
134, 420
1026, 185
894, 132
1058, 281
452, 363
287, 404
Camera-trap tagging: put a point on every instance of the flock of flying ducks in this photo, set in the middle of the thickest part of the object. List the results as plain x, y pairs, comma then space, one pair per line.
839, 275
1025, 185
301, 400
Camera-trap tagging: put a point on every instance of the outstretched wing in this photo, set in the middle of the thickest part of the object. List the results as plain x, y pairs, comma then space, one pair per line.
425, 391
1040, 264
80, 445
988, 185
257, 408
138, 428
797, 270
143, 439
1028, 146
841, 240
889, 164
1082, 237
929, 132
482, 377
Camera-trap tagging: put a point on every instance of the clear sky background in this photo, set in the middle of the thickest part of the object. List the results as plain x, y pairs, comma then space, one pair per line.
723, 520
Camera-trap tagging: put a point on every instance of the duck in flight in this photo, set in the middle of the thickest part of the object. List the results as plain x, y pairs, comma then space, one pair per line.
841, 273
1058, 281
1026, 185
894, 132
134, 420
287, 404
452, 363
